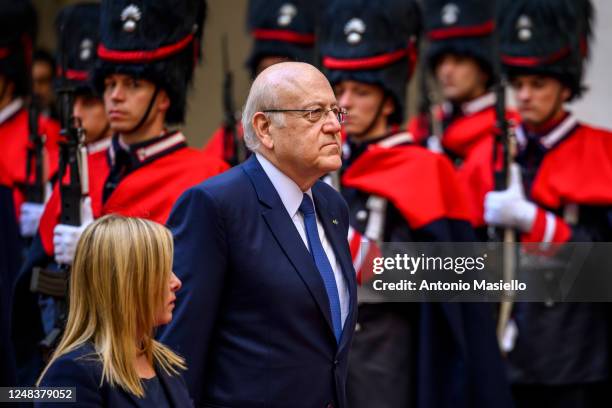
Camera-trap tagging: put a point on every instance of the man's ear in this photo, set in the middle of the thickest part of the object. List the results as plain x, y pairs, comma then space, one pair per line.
388, 106
566, 94
261, 124
163, 101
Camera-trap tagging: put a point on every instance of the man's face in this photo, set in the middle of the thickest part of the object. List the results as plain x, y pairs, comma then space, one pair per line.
42, 81
90, 110
126, 100
310, 147
362, 101
461, 78
538, 98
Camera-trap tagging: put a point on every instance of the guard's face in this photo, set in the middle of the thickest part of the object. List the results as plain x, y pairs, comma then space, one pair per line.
42, 81
363, 103
460, 78
90, 110
126, 100
308, 147
538, 98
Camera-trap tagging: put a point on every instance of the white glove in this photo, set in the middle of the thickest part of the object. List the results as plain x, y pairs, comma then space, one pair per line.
66, 237
30, 218
30, 214
510, 208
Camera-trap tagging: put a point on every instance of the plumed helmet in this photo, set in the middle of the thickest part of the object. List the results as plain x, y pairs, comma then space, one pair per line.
546, 37
77, 32
281, 28
461, 27
155, 40
372, 42
18, 28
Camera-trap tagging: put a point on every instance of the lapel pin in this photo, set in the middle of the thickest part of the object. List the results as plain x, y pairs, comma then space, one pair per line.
335, 221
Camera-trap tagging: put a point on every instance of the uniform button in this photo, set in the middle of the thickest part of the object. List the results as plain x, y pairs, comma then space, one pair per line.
336, 362
361, 215
357, 327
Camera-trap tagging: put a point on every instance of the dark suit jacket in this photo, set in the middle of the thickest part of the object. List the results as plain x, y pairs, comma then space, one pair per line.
80, 369
253, 318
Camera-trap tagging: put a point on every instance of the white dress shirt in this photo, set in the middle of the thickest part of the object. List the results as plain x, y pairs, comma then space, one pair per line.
291, 196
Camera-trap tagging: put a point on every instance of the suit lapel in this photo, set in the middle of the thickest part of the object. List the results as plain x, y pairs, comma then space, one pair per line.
339, 241
287, 236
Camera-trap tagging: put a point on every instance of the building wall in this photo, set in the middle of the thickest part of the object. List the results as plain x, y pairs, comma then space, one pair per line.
596, 105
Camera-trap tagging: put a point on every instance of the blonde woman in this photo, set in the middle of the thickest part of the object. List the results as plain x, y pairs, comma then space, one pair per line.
121, 287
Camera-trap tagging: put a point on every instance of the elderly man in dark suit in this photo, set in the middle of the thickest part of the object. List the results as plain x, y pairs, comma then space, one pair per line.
268, 305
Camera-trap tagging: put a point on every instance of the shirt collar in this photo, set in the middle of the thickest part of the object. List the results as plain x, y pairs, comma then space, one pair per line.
290, 194
479, 104
554, 135
472, 107
10, 109
149, 150
99, 145
351, 150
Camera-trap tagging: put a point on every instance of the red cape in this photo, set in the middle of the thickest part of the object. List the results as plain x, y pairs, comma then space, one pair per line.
465, 133
471, 138
14, 142
578, 170
148, 192
422, 185
216, 144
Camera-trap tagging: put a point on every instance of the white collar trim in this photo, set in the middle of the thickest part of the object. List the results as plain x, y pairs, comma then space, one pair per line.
10, 109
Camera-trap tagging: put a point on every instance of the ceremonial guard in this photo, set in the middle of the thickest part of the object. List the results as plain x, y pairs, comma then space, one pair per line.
146, 59
28, 142
143, 81
403, 354
559, 353
462, 55
281, 31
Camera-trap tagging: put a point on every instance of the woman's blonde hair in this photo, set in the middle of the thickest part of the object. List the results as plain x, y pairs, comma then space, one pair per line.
118, 283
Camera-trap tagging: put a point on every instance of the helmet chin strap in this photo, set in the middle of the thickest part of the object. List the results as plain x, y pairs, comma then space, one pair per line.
372, 123
557, 106
147, 112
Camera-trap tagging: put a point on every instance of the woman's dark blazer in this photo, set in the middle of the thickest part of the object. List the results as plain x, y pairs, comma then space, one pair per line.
82, 370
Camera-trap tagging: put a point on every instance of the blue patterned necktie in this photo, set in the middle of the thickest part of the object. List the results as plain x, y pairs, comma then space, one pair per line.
322, 263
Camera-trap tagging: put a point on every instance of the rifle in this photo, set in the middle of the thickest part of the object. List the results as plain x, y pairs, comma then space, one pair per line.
35, 191
234, 150
73, 187
426, 115
503, 147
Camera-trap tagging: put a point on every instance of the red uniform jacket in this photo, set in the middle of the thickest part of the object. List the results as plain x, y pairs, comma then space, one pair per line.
422, 185
469, 137
169, 168
14, 143
221, 147
576, 169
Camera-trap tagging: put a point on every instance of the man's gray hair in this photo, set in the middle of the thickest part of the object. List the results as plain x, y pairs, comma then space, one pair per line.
262, 96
